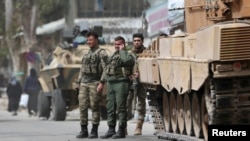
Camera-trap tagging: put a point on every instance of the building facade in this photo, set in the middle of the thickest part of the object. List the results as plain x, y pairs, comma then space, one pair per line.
111, 8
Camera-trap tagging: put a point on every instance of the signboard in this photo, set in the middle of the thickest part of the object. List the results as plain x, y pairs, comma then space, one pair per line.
156, 18
160, 18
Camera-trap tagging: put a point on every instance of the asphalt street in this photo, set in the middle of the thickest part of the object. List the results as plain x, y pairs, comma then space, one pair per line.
25, 128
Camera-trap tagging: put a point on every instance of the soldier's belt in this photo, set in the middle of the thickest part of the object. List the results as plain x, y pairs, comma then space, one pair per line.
116, 79
91, 74
115, 75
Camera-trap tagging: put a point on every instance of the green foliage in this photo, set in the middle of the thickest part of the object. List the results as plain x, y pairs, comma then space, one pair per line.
3, 51
3, 56
50, 10
23, 6
47, 11
2, 20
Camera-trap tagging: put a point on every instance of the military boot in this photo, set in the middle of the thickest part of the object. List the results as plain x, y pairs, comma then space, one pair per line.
138, 127
94, 132
110, 132
120, 134
84, 132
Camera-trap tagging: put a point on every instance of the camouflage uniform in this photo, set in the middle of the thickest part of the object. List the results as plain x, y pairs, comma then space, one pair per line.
141, 92
93, 64
118, 70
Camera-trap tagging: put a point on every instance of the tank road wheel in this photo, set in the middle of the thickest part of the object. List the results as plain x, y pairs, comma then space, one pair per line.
43, 105
166, 112
180, 113
204, 118
187, 114
58, 106
173, 112
196, 115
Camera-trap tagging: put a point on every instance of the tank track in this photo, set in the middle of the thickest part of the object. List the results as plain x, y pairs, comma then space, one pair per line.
229, 104
230, 101
158, 122
155, 112
177, 137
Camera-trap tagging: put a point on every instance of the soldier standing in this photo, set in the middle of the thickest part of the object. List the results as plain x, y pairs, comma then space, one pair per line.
137, 90
118, 70
91, 84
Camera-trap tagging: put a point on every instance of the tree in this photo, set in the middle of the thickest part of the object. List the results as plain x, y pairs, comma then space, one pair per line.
21, 20
3, 50
8, 30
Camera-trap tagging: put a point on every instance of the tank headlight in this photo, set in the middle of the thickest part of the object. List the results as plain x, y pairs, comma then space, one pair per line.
237, 66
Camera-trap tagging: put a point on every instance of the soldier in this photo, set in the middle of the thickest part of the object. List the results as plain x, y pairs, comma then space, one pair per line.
91, 84
137, 90
118, 70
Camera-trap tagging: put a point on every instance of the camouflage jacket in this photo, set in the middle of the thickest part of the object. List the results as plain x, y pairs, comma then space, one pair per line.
93, 64
136, 53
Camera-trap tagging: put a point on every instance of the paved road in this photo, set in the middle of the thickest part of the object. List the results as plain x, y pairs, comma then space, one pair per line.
25, 128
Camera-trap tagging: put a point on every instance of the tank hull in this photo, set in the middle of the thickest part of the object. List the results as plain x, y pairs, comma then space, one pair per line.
198, 80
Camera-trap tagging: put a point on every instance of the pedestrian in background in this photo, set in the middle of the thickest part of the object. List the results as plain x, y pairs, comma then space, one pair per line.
118, 70
32, 87
3, 84
14, 91
137, 92
91, 84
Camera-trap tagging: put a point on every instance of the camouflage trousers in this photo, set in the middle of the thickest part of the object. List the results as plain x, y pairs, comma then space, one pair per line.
89, 98
140, 104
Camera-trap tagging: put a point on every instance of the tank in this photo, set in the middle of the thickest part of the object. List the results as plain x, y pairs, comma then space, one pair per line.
201, 77
58, 79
